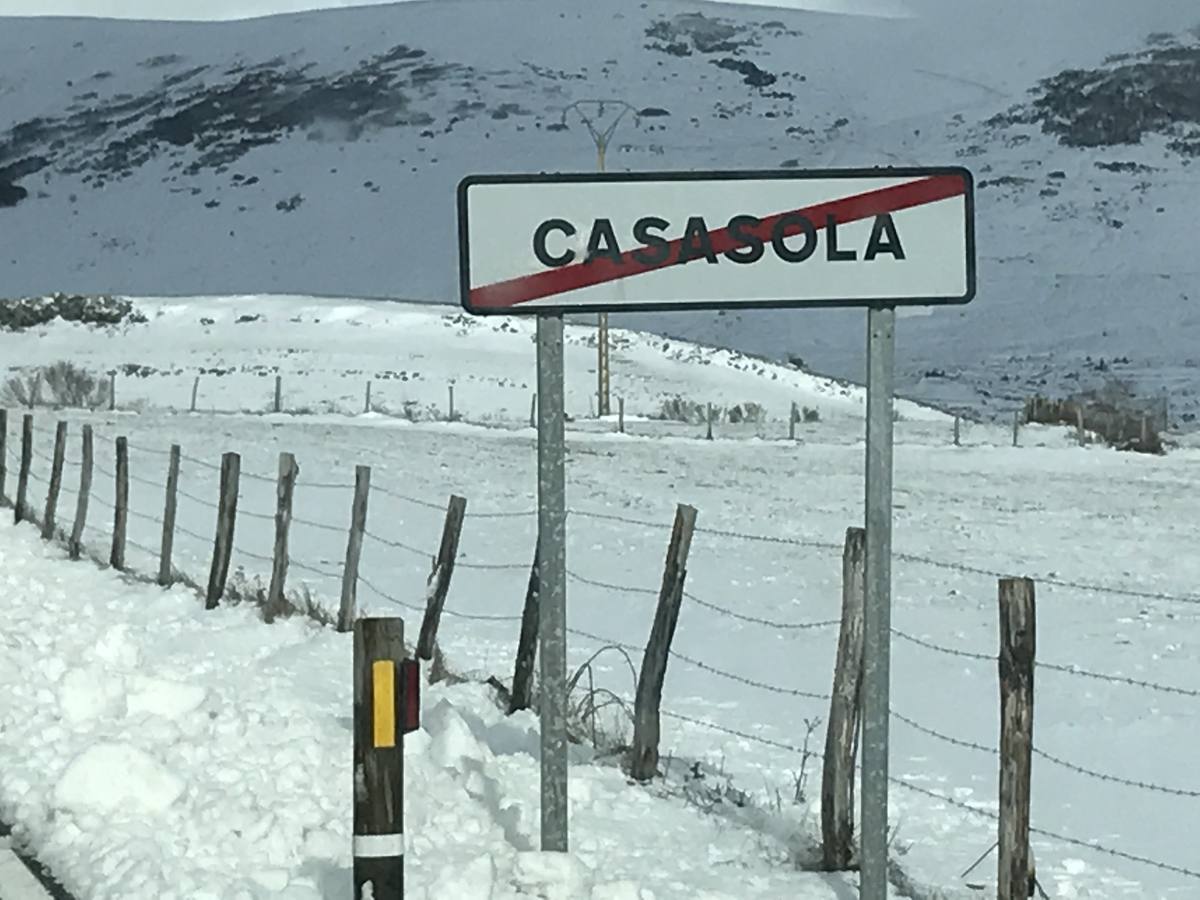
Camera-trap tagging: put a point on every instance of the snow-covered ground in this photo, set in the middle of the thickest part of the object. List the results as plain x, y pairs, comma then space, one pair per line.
141, 761
318, 153
412, 354
1107, 535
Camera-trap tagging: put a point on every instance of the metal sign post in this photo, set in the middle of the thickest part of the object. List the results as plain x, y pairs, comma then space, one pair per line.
877, 614
552, 583
571, 243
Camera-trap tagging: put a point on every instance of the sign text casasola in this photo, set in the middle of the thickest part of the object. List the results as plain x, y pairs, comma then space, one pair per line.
703, 240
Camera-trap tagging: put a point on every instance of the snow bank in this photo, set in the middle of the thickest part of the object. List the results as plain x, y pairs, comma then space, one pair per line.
153, 749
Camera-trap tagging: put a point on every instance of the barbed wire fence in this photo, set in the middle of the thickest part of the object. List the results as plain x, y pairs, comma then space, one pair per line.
321, 573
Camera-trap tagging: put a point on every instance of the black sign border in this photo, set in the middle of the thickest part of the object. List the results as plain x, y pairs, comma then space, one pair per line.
464, 250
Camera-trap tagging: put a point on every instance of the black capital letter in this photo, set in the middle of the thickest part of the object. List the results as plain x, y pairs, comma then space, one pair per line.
751, 244
602, 231
794, 222
656, 249
696, 242
832, 253
539, 243
876, 245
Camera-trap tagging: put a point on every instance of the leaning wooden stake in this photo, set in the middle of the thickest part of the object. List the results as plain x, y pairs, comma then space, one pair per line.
792, 417
533, 412
56, 473
709, 436
120, 506
195, 391
358, 526
439, 578
1018, 647
957, 431
231, 467
3, 452
170, 506
621, 415
646, 723
20, 508
367, 402
75, 545
845, 712
284, 489
522, 686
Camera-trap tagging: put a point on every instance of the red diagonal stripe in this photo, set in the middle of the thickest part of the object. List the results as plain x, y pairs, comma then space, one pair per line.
547, 283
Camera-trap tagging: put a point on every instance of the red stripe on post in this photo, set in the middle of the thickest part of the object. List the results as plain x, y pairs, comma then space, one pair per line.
410, 688
548, 283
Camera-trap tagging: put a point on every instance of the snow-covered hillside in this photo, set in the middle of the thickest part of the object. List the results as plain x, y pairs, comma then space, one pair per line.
327, 351
317, 153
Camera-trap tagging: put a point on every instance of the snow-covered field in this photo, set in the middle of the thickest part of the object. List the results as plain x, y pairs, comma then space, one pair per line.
318, 153
1107, 536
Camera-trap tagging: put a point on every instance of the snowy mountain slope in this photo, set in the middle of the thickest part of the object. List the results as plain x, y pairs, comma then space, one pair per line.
317, 154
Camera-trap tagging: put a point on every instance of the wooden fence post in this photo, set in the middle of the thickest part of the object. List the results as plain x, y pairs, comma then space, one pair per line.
957, 431
285, 488
451, 403
367, 402
170, 506
439, 578
621, 415
710, 422
1145, 436
278, 393
195, 391
1018, 646
358, 525
1016, 428
1079, 433
646, 723
533, 412
20, 510
112, 391
3, 453
231, 468
793, 415
56, 473
75, 545
522, 686
845, 712
121, 506
382, 714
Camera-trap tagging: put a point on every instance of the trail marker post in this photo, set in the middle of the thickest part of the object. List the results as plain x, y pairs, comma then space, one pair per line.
880, 238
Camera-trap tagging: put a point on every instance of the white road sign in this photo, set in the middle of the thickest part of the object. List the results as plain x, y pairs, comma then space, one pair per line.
702, 240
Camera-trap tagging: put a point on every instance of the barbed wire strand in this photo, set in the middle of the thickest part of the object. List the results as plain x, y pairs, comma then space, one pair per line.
966, 807
1054, 667
1050, 758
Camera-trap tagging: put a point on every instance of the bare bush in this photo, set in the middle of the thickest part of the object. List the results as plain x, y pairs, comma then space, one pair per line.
23, 390
62, 385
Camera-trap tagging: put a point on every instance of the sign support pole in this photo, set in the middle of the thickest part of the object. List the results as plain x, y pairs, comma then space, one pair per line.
552, 582
877, 620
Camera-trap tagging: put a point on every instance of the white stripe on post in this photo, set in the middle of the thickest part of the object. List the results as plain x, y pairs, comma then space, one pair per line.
378, 846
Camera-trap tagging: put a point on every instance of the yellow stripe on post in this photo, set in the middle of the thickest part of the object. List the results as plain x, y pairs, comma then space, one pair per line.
383, 685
